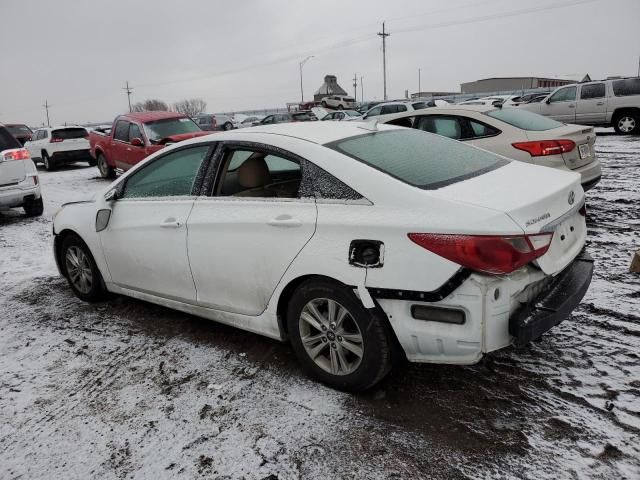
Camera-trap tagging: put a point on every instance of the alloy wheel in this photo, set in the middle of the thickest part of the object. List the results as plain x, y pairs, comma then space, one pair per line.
627, 124
331, 337
79, 269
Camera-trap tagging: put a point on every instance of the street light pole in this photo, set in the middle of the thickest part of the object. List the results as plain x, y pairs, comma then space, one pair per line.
301, 65
361, 90
419, 90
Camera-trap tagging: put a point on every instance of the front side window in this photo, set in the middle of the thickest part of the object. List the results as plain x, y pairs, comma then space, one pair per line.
594, 90
564, 95
171, 175
134, 132
524, 119
419, 159
122, 131
160, 129
375, 111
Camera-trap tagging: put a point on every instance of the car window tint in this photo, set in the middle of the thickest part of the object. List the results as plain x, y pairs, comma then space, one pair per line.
482, 129
445, 126
629, 86
122, 131
419, 105
524, 119
419, 159
69, 133
374, 112
564, 95
401, 108
8, 141
256, 174
134, 132
594, 90
171, 175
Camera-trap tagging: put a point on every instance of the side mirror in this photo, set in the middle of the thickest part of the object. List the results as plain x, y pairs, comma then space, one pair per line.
547, 101
137, 142
111, 195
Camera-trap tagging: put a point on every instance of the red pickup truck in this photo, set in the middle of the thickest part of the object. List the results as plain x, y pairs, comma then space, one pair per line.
135, 136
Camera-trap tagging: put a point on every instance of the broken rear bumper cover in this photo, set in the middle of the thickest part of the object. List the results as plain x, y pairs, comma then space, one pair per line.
554, 303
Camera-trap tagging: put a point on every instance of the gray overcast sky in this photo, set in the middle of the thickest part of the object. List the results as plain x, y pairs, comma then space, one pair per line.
244, 54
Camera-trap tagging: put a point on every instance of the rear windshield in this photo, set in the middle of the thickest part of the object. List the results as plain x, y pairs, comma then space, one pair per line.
69, 133
623, 88
524, 119
420, 105
160, 129
19, 129
7, 140
418, 158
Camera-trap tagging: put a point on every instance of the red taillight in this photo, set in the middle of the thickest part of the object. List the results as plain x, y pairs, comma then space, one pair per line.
486, 253
546, 147
56, 140
17, 154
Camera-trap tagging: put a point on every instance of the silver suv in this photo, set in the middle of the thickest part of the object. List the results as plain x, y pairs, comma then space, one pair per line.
19, 185
605, 103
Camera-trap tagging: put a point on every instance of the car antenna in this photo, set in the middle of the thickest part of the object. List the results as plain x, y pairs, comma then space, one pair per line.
371, 125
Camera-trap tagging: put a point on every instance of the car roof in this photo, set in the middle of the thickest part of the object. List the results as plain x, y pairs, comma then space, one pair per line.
151, 116
449, 110
315, 132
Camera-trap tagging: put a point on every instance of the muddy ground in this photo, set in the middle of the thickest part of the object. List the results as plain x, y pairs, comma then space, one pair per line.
125, 389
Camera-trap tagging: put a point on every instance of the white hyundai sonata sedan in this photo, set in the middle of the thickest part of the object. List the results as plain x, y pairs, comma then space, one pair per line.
357, 243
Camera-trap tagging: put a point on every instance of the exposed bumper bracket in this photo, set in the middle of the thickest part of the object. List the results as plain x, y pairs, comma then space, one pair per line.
554, 303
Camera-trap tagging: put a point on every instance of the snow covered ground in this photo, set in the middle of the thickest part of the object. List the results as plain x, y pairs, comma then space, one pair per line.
126, 389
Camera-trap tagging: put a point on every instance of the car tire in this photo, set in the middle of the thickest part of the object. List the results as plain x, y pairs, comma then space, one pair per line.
81, 270
48, 164
92, 162
351, 364
340, 107
323, 104
105, 170
34, 208
227, 126
627, 123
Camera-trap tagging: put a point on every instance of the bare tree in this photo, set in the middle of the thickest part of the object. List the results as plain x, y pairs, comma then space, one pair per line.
190, 106
150, 105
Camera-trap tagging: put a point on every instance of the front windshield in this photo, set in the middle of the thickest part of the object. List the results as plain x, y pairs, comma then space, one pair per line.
159, 129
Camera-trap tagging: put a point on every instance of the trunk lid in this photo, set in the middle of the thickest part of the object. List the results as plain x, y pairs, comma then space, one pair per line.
11, 172
584, 138
538, 199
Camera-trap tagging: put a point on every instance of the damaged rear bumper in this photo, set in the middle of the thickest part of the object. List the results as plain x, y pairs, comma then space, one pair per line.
554, 303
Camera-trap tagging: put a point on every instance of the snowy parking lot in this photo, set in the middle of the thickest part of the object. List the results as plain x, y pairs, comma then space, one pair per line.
126, 389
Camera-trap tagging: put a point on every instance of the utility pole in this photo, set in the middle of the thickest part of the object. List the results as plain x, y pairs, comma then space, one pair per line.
384, 36
129, 90
302, 65
46, 107
419, 90
361, 90
355, 87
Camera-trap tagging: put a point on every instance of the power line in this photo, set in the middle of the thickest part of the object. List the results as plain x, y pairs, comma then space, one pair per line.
384, 36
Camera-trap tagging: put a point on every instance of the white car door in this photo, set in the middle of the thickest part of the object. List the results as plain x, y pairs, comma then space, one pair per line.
244, 236
561, 105
145, 242
591, 108
32, 145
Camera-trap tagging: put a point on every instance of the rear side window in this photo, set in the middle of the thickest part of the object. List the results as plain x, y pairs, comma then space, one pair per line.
122, 131
69, 133
524, 119
594, 90
482, 129
623, 88
419, 159
446, 126
170, 175
8, 141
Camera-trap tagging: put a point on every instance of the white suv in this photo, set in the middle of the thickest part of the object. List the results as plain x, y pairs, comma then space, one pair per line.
19, 185
338, 101
388, 108
605, 103
60, 145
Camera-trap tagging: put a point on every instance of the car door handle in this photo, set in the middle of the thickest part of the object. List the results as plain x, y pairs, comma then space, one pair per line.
600, 103
286, 221
571, 106
171, 223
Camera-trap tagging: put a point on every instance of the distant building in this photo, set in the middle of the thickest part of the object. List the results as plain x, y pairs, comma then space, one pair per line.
502, 84
433, 94
329, 87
